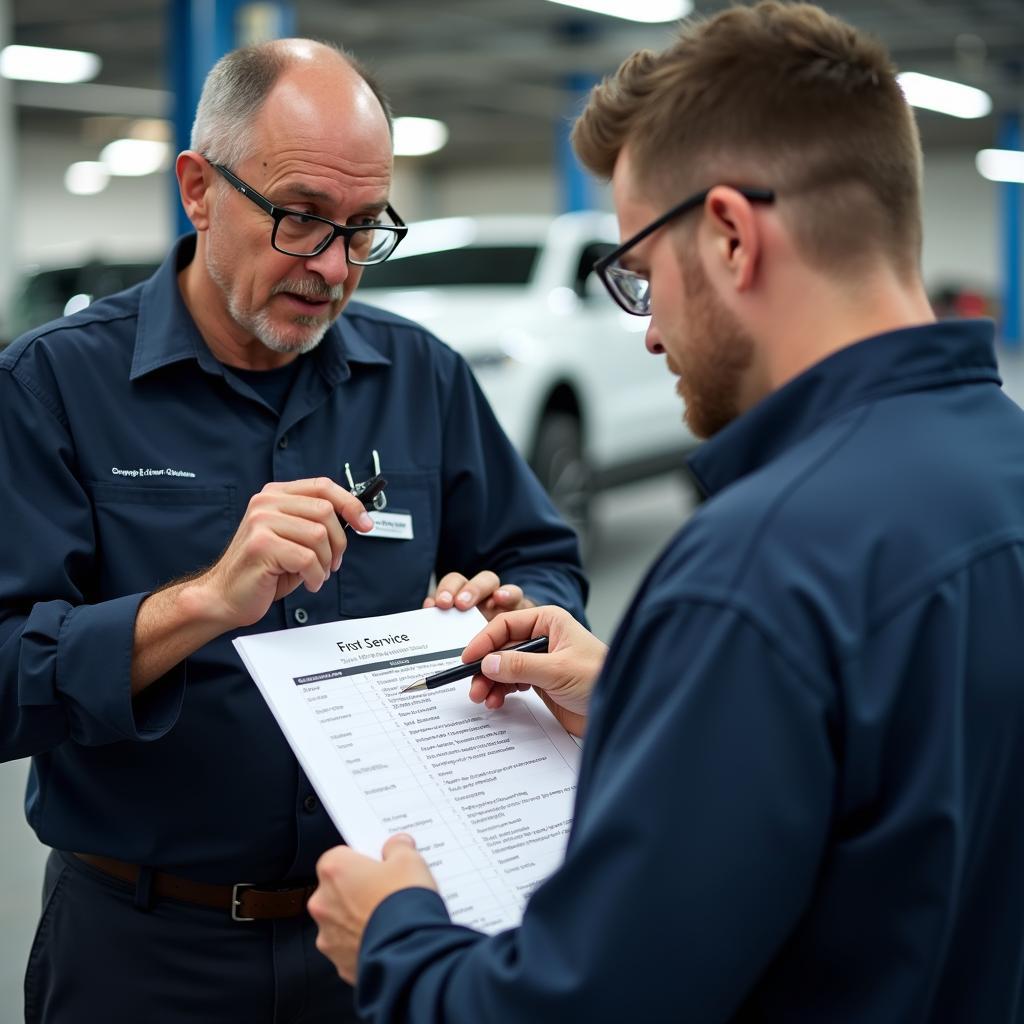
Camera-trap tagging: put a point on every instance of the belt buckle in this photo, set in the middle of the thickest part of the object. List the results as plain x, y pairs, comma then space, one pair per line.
236, 900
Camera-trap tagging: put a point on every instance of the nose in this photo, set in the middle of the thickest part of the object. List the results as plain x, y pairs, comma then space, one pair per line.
652, 339
331, 264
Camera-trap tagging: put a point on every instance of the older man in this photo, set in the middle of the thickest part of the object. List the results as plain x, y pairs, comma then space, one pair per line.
174, 472
803, 774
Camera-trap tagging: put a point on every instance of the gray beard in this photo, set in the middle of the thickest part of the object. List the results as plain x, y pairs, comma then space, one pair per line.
259, 324
260, 327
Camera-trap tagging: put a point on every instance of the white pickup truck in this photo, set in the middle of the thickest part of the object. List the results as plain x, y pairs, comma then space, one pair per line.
564, 369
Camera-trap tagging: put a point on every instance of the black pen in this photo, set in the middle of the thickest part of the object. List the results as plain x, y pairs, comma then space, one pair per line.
538, 645
366, 492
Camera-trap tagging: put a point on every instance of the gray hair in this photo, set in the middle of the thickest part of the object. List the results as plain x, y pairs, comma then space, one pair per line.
235, 90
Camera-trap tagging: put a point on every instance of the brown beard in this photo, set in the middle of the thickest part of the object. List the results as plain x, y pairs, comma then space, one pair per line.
714, 358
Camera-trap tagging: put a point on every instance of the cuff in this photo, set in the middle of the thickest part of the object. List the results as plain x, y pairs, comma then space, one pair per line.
93, 677
401, 912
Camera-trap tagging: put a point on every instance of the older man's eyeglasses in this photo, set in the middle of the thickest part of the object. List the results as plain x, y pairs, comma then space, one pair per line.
304, 234
632, 291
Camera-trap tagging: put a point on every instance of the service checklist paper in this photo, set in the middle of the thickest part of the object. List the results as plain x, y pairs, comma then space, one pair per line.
487, 795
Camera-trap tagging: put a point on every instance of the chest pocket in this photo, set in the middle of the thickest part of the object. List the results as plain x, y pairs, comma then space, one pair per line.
381, 575
149, 535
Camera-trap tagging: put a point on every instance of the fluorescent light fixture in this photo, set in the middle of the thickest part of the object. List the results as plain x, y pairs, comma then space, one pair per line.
135, 157
42, 64
1000, 164
943, 96
647, 11
418, 136
86, 178
76, 303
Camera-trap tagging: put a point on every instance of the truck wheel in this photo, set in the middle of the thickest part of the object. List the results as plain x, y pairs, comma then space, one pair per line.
561, 466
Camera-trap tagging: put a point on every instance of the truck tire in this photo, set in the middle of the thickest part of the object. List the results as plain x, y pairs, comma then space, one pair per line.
561, 466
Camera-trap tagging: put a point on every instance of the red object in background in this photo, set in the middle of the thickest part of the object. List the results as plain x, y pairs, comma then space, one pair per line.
970, 304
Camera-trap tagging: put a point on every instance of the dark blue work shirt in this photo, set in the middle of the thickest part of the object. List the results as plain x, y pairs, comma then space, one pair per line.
802, 789
129, 456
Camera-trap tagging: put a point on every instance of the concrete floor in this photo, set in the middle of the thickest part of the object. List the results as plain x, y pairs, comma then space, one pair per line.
633, 526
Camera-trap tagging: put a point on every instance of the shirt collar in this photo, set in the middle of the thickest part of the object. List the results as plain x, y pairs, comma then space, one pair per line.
166, 332
910, 359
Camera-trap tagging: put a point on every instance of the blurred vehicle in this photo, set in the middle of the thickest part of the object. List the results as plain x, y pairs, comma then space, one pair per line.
955, 300
50, 292
560, 363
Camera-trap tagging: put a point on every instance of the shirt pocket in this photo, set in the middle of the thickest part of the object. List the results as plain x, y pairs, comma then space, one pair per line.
149, 535
381, 575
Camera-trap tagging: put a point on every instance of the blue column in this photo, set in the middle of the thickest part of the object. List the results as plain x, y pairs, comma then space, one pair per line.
8, 183
576, 184
200, 33
1010, 239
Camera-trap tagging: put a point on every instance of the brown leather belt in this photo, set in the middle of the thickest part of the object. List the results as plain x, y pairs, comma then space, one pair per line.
246, 902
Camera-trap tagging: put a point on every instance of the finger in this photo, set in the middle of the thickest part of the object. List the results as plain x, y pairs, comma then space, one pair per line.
501, 631
299, 560
508, 596
303, 506
481, 586
480, 688
448, 586
496, 698
333, 863
396, 844
344, 502
307, 533
428, 602
542, 670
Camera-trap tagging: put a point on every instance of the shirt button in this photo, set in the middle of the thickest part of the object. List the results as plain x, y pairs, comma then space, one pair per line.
283, 441
310, 803
301, 616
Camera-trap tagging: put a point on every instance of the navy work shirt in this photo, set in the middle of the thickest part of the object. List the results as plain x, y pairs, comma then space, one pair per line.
802, 789
129, 455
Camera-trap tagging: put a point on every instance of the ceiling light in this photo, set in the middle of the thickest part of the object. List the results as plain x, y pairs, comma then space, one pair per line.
41, 64
418, 136
648, 11
943, 96
86, 178
135, 157
1000, 164
155, 128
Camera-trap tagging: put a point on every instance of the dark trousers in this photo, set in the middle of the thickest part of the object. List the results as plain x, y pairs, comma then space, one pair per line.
100, 955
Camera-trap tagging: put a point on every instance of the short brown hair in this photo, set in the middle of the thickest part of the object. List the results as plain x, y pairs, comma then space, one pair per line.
782, 96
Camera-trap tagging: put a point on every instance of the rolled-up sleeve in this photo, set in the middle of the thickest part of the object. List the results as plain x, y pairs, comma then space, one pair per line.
704, 804
65, 661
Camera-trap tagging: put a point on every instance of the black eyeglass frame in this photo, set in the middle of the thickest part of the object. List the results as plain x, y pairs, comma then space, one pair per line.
605, 263
345, 231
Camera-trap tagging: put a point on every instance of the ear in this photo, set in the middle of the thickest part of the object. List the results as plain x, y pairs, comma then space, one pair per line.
194, 186
736, 237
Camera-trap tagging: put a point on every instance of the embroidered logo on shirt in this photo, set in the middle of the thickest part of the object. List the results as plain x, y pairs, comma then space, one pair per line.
146, 471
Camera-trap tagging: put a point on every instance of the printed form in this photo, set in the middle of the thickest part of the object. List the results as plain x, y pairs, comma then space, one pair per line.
487, 795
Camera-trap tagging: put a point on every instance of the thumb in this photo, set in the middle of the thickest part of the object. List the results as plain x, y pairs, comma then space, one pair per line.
516, 667
397, 844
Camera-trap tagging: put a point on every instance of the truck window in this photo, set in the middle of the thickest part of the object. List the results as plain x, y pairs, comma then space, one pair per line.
469, 265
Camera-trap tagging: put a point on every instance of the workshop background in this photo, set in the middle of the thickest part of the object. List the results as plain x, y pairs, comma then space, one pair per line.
490, 88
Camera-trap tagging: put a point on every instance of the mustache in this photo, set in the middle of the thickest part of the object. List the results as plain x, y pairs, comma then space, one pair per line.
309, 288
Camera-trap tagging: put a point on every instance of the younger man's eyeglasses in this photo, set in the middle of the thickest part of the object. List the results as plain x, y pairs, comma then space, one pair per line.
305, 234
632, 291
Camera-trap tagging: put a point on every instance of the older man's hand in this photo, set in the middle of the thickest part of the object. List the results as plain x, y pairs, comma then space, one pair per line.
484, 591
351, 888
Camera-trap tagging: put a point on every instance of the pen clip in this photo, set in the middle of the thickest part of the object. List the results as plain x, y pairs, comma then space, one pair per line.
371, 493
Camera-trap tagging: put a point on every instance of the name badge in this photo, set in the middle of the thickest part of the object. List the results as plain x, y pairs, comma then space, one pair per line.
392, 524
